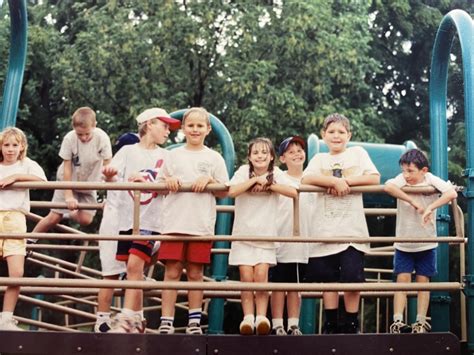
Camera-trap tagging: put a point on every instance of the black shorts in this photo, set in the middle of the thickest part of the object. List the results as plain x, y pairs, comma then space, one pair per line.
287, 272
346, 266
140, 248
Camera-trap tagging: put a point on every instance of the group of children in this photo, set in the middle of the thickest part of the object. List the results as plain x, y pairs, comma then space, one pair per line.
264, 197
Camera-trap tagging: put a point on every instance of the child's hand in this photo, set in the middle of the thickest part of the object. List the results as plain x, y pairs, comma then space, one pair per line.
262, 179
418, 207
172, 183
7, 181
427, 217
341, 188
200, 184
136, 178
72, 203
109, 172
257, 188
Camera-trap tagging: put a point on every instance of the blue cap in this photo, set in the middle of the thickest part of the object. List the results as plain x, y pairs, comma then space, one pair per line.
286, 142
126, 139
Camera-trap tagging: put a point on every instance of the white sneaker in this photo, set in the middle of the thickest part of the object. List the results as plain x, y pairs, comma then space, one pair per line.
10, 324
126, 324
103, 327
166, 328
263, 326
246, 327
420, 327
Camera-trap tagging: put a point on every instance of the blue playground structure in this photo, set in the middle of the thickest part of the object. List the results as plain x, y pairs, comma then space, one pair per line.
456, 23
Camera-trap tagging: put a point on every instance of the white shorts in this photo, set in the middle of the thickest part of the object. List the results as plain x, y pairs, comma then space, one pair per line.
110, 266
242, 253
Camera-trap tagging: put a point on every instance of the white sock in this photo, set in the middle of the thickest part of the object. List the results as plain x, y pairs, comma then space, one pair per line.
249, 318
194, 315
398, 317
7, 315
420, 318
277, 322
293, 321
128, 312
259, 319
103, 317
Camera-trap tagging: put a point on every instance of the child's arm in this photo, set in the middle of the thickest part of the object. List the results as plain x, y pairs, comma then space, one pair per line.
200, 184
339, 185
445, 198
71, 202
106, 162
7, 181
367, 179
109, 173
284, 190
398, 193
238, 189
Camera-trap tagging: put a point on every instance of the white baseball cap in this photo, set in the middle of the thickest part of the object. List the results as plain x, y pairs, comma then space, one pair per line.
161, 114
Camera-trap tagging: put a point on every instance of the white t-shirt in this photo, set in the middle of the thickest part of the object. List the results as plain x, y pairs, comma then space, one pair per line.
342, 216
257, 213
292, 252
187, 212
18, 200
409, 223
130, 160
87, 158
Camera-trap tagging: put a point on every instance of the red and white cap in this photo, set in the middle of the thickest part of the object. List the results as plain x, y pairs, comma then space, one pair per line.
161, 114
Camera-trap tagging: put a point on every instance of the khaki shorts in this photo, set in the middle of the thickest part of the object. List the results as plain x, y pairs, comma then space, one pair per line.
12, 222
80, 196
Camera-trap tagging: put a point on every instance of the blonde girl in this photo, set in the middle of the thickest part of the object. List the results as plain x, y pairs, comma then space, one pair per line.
256, 187
14, 167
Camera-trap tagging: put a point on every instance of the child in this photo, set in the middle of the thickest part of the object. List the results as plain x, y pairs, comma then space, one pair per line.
14, 167
84, 151
111, 267
291, 257
256, 211
338, 213
189, 213
415, 217
140, 162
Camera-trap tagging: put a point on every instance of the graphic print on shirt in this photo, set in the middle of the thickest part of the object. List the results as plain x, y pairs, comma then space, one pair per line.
150, 176
337, 206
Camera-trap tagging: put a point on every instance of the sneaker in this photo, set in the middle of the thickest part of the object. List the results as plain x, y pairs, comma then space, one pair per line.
420, 327
125, 324
294, 330
10, 324
351, 327
166, 328
246, 327
330, 328
194, 329
103, 327
263, 326
278, 330
399, 327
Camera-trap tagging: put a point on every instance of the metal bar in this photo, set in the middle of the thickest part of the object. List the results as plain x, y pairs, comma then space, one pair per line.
59, 269
64, 263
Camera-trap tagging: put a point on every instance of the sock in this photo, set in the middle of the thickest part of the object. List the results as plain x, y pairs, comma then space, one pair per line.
103, 317
398, 317
7, 315
420, 318
259, 319
351, 317
331, 315
194, 316
293, 321
128, 312
249, 318
277, 322
167, 320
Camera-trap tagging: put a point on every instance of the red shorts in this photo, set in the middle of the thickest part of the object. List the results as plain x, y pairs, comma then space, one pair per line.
194, 252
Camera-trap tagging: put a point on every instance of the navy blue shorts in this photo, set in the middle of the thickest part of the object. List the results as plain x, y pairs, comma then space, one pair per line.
141, 248
287, 272
422, 262
346, 266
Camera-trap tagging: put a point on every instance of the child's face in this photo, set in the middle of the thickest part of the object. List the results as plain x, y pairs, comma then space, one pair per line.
196, 129
336, 137
412, 174
11, 150
294, 156
158, 130
260, 157
84, 133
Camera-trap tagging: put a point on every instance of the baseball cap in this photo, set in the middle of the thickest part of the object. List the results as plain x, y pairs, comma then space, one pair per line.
286, 142
126, 139
161, 114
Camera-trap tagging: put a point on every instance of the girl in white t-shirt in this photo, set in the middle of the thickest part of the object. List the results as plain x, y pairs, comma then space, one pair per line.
256, 213
14, 167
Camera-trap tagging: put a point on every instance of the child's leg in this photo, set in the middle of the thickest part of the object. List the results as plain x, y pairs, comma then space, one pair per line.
261, 297
400, 298
277, 303
173, 271
247, 297
84, 218
423, 299
351, 301
105, 295
293, 304
48, 222
15, 269
134, 297
195, 274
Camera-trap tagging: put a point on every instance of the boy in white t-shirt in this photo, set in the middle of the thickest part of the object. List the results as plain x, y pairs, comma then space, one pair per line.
338, 213
189, 213
14, 203
415, 218
109, 225
291, 257
141, 162
84, 150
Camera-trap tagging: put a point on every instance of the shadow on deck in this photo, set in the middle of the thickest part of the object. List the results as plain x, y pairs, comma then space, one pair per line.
57, 343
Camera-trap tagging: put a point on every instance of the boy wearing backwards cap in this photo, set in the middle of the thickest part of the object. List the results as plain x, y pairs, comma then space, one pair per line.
291, 257
141, 162
84, 150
